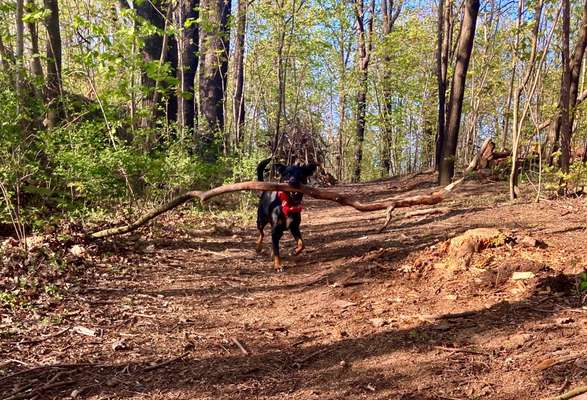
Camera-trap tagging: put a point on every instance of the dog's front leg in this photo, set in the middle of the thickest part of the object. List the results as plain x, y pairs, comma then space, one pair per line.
295, 231
276, 234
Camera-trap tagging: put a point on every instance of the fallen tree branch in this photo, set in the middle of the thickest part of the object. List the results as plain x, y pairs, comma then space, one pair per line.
388, 204
570, 394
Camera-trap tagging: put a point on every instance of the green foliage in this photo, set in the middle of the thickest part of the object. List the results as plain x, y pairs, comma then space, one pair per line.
583, 281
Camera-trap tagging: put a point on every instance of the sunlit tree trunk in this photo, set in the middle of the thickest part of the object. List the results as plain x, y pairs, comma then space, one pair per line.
457, 91
238, 99
517, 120
570, 82
565, 126
390, 14
442, 55
364, 42
214, 46
36, 66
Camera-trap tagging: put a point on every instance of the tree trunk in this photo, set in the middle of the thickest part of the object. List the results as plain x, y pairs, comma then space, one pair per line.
390, 15
457, 91
565, 126
576, 63
361, 101
214, 46
36, 67
53, 83
517, 120
340, 144
364, 42
19, 56
187, 40
154, 51
570, 83
442, 50
238, 100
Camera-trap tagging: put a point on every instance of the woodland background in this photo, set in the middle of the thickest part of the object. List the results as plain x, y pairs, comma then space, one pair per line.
108, 103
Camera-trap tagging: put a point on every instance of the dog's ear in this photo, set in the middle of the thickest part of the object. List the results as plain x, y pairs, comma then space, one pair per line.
279, 168
309, 169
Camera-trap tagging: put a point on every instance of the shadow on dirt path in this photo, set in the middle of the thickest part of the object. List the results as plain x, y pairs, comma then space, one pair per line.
359, 315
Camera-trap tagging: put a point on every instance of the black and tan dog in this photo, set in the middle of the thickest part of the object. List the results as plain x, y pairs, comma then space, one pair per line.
282, 210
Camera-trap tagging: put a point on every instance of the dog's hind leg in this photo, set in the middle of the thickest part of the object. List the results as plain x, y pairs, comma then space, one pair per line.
259, 247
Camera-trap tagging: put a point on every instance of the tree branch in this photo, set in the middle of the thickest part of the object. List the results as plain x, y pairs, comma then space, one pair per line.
388, 204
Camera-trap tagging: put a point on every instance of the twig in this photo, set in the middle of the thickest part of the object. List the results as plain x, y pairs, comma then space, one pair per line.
153, 367
240, 346
460, 350
570, 394
426, 211
41, 367
42, 339
12, 361
38, 390
314, 354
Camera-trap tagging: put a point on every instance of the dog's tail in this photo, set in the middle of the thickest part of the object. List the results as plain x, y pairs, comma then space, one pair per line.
261, 168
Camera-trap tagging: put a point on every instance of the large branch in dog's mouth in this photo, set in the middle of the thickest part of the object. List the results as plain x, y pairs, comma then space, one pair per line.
388, 204
325, 194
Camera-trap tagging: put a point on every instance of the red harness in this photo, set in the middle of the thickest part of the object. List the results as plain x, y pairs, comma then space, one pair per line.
286, 205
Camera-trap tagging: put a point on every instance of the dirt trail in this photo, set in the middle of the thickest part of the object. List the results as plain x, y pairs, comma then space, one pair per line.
358, 315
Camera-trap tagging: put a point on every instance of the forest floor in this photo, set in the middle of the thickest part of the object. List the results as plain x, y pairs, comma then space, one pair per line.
190, 311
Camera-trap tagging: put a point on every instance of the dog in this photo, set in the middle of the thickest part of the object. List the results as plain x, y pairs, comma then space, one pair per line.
282, 210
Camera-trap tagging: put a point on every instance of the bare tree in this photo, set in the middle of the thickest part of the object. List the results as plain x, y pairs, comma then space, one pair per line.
457, 90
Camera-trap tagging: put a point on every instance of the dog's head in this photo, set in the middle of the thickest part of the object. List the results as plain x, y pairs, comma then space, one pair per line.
295, 175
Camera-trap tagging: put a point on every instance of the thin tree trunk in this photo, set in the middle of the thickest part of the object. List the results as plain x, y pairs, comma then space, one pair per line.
280, 91
36, 66
19, 56
238, 100
442, 56
341, 121
364, 54
390, 15
53, 85
465, 48
565, 125
517, 122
